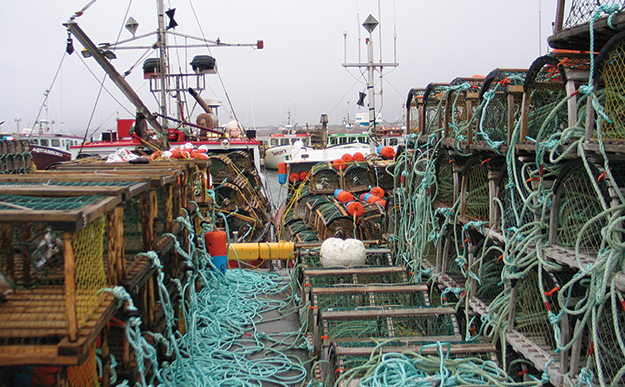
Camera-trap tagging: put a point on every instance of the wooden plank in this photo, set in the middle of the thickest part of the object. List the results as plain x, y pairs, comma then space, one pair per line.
454, 349
70, 286
371, 289
360, 270
63, 191
377, 313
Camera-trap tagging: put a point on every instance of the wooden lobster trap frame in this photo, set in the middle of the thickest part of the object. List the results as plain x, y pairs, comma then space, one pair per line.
346, 355
414, 112
462, 101
15, 157
501, 94
56, 324
434, 105
332, 220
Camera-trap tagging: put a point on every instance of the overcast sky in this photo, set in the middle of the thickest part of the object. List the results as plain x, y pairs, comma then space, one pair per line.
299, 69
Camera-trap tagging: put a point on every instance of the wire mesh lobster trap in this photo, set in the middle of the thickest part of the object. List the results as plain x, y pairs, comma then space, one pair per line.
489, 269
244, 215
381, 173
324, 179
53, 255
462, 101
578, 198
414, 111
375, 257
434, 108
581, 11
372, 224
598, 346
310, 217
478, 187
356, 178
333, 221
611, 67
447, 186
15, 157
500, 96
370, 275
363, 297
530, 312
545, 87
352, 356
513, 191
428, 323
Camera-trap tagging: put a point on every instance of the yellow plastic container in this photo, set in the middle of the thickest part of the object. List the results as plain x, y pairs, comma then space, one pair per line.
266, 251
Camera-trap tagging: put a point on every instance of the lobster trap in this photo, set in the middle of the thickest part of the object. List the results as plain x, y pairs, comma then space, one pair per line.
479, 187
447, 181
514, 191
15, 157
434, 102
611, 66
500, 97
333, 221
414, 110
529, 316
576, 202
426, 324
381, 173
462, 101
324, 179
310, 217
372, 224
550, 79
347, 356
356, 178
374, 257
54, 259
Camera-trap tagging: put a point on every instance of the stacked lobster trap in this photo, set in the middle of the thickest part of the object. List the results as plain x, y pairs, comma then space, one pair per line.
527, 202
66, 235
15, 157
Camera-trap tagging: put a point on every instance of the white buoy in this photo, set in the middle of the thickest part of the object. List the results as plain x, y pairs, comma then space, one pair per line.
344, 253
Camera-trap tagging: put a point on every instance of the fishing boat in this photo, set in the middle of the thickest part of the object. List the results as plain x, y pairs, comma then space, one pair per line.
279, 144
48, 146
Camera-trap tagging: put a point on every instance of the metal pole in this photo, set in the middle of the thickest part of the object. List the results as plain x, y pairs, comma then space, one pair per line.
371, 92
163, 60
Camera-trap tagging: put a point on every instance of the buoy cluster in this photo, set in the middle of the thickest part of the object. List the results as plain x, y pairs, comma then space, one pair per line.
186, 151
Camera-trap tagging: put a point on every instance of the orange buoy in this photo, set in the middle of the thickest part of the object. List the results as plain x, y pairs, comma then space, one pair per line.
347, 158
343, 196
303, 175
217, 247
355, 208
377, 191
282, 173
382, 202
372, 199
363, 196
294, 177
387, 152
358, 156
339, 164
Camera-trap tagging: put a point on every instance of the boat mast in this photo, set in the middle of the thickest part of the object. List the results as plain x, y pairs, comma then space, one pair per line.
370, 24
163, 60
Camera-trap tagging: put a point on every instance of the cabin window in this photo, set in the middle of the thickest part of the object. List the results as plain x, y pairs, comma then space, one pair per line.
273, 142
284, 141
363, 140
56, 142
34, 141
393, 142
44, 142
343, 140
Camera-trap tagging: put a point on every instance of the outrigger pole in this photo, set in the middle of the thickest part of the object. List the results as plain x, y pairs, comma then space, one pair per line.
142, 111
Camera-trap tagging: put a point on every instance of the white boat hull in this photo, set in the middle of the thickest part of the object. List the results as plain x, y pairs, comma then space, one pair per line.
276, 155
